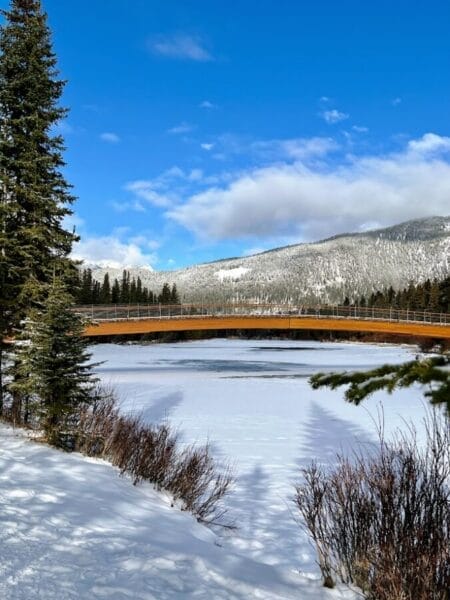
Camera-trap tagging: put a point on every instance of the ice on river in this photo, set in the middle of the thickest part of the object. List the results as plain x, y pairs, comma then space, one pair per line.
251, 400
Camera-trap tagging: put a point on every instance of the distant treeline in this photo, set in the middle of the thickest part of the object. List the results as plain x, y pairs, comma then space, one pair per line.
129, 290
433, 296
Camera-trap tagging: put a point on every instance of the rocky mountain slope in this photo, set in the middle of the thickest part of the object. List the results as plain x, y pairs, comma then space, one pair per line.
326, 271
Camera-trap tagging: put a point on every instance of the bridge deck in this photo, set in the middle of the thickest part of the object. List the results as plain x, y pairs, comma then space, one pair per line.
197, 323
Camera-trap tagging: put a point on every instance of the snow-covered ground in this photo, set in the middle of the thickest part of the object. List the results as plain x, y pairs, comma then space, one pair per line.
71, 528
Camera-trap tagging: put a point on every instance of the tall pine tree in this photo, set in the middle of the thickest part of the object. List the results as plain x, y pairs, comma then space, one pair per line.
52, 370
34, 195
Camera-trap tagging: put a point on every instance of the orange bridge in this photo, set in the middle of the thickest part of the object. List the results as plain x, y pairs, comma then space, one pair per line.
110, 320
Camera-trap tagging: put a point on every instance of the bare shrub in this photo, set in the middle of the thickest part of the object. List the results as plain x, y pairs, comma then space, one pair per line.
196, 482
382, 521
155, 455
96, 422
152, 453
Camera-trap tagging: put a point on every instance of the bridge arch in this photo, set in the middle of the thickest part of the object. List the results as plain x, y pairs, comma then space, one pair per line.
135, 319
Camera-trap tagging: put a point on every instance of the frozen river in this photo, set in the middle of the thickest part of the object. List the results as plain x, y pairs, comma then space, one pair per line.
251, 400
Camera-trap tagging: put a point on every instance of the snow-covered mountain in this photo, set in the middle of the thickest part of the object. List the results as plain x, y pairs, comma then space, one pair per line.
326, 271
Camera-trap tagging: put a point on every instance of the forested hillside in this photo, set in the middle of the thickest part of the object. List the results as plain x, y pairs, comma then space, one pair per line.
129, 290
351, 265
433, 296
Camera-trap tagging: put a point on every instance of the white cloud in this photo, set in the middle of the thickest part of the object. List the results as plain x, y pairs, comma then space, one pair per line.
316, 201
147, 190
161, 191
274, 149
181, 46
110, 251
144, 241
334, 116
295, 148
360, 129
207, 104
122, 207
181, 128
207, 147
430, 143
396, 101
195, 175
173, 172
110, 137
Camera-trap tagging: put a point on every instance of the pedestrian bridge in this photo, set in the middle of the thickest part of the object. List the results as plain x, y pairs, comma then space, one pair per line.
111, 320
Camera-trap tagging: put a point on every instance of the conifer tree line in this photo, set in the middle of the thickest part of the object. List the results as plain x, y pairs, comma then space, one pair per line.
44, 370
432, 295
129, 290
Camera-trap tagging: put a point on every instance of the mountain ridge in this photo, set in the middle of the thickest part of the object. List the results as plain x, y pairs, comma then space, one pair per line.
351, 265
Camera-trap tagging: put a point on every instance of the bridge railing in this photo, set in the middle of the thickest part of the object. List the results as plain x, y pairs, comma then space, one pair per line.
116, 312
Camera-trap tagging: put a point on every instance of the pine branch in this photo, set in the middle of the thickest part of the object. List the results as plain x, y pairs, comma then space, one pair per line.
432, 371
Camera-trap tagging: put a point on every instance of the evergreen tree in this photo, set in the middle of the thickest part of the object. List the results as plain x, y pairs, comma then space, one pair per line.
165, 295
105, 292
174, 298
433, 372
390, 294
34, 196
125, 287
86, 287
96, 292
444, 295
53, 367
133, 292
115, 292
140, 297
432, 296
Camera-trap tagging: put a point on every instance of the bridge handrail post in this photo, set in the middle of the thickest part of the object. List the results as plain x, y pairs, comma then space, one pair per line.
92, 311
160, 313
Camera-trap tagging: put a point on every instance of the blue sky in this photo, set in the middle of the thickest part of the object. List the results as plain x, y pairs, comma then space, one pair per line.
200, 130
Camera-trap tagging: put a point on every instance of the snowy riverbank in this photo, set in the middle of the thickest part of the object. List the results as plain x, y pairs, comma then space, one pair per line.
72, 528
